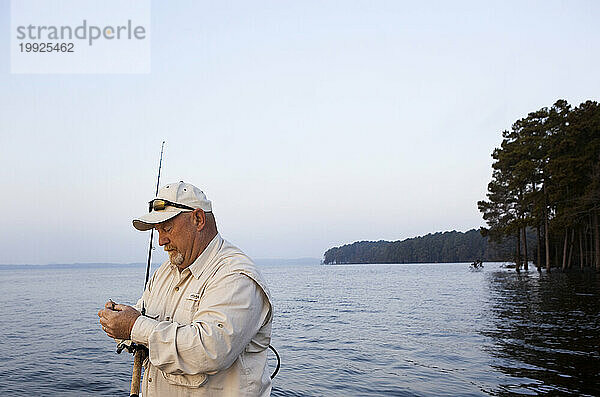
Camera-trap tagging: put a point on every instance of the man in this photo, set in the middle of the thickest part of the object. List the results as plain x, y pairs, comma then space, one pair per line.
208, 315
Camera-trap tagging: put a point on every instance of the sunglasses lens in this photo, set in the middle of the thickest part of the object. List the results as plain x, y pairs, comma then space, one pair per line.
159, 205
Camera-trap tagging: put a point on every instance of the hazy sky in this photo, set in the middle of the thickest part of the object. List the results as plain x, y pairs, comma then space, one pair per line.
308, 124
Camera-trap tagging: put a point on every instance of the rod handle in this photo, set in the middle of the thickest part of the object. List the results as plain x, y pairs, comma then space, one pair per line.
138, 358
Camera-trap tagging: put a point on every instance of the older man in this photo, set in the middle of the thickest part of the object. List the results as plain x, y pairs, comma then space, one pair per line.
208, 315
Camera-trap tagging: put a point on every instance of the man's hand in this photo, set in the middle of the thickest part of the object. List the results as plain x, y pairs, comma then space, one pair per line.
117, 320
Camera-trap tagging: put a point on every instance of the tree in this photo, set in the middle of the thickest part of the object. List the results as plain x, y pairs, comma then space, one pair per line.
546, 174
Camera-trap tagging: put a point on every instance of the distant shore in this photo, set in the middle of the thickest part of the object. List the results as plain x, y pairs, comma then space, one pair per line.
259, 261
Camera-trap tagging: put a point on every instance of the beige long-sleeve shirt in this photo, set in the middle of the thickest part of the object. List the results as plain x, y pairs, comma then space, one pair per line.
207, 327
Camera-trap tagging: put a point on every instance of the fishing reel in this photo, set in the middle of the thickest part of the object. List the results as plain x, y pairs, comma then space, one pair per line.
130, 346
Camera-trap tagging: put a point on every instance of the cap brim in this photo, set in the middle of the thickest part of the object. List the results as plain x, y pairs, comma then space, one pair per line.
147, 221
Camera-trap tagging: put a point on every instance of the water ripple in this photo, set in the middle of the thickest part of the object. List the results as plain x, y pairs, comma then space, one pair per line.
372, 330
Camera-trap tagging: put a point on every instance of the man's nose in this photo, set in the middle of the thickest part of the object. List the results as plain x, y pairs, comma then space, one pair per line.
162, 239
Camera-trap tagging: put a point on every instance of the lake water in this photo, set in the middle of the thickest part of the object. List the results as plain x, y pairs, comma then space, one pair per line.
353, 330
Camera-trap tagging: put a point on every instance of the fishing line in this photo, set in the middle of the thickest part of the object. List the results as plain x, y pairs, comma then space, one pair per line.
274, 374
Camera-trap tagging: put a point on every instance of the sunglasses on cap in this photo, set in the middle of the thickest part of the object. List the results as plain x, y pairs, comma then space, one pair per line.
160, 205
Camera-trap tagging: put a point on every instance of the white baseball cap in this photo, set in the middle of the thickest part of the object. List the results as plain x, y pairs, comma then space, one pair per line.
172, 200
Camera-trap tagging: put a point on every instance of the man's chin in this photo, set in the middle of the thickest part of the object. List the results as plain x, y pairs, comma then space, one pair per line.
176, 258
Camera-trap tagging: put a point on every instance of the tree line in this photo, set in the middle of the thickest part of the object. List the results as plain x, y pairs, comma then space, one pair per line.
546, 178
433, 248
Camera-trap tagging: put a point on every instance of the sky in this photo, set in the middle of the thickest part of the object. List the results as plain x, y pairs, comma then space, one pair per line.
309, 124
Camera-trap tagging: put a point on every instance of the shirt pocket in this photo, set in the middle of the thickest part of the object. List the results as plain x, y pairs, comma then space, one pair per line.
189, 304
191, 381
184, 313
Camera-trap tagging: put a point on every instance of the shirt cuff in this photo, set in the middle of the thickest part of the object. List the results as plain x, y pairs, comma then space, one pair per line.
142, 328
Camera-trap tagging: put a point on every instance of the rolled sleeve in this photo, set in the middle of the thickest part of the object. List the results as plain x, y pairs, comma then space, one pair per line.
142, 328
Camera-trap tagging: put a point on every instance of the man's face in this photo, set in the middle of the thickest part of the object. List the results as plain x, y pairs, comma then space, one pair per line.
177, 238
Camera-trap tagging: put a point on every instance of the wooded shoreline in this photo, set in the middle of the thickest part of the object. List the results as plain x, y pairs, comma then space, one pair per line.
542, 203
546, 177
446, 247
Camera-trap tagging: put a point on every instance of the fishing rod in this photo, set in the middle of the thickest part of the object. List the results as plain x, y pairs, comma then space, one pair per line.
152, 230
140, 351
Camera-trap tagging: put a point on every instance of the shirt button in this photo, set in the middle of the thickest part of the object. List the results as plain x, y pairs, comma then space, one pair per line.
176, 289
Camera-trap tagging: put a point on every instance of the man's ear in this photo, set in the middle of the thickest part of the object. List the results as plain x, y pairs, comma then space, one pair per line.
199, 219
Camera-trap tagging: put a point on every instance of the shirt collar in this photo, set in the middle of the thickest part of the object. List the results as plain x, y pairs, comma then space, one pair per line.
206, 256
